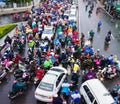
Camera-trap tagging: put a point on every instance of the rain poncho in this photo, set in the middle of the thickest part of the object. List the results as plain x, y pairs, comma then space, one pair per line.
33, 24
58, 30
65, 88
31, 43
68, 39
47, 63
18, 86
60, 34
56, 41
89, 50
75, 95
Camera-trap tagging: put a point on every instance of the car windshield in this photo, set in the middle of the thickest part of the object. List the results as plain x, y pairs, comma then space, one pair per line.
46, 86
56, 69
48, 31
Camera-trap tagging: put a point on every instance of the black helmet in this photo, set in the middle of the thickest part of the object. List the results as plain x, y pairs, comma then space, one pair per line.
109, 32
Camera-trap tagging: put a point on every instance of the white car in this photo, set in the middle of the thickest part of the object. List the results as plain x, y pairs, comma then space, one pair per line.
48, 32
50, 84
73, 8
72, 16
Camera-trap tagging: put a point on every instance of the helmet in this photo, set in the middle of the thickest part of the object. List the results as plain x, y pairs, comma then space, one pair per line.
109, 32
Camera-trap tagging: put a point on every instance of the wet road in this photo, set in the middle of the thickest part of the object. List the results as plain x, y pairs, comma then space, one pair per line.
88, 23
6, 19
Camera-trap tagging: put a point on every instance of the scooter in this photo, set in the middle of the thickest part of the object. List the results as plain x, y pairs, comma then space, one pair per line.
20, 89
74, 80
87, 75
106, 45
16, 16
39, 76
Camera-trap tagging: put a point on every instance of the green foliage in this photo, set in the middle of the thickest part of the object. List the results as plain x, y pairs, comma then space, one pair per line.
4, 29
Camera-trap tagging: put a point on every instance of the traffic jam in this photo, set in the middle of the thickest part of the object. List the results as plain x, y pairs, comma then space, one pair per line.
50, 53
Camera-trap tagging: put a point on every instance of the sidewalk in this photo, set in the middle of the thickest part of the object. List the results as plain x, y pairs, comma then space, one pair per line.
102, 6
18, 9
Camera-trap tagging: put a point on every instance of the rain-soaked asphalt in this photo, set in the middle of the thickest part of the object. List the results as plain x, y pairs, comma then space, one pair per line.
6, 19
86, 25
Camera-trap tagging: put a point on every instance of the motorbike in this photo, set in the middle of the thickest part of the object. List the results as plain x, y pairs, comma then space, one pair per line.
39, 76
74, 80
88, 75
106, 44
18, 74
18, 89
115, 89
99, 26
25, 16
16, 16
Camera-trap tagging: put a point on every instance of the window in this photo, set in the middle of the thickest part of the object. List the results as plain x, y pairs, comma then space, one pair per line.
59, 79
86, 88
91, 97
46, 86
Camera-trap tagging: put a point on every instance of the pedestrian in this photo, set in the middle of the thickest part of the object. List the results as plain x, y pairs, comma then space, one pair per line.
98, 10
89, 13
86, 7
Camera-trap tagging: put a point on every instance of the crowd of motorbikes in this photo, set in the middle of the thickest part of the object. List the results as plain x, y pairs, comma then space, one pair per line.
30, 70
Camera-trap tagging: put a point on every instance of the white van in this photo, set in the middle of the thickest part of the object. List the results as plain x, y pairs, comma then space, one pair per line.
94, 92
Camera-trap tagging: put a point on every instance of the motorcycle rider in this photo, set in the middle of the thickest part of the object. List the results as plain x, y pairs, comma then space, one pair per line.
108, 37
75, 97
99, 26
75, 77
76, 67
91, 33
18, 87
65, 90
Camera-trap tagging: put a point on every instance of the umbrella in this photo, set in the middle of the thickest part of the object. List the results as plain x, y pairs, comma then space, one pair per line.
2, 4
